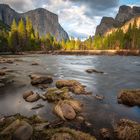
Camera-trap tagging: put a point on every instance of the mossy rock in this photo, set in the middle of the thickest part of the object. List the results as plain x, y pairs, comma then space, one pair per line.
127, 130
129, 97
63, 133
9, 120
73, 85
67, 109
54, 94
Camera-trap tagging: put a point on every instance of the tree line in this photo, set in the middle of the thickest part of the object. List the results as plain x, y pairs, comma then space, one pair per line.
116, 40
23, 37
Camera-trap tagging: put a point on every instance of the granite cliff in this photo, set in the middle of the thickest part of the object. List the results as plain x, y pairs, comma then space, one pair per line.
43, 20
125, 15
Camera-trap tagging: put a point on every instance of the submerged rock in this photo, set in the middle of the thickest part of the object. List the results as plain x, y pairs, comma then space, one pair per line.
2, 73
73, 85
105, 133
2, 85
80, 119
7, 60
35, 63
88, 124
37, 106
41, 126
54, 94
129, 97
67, 109
99, 97
40, 79
127, 130
94, 71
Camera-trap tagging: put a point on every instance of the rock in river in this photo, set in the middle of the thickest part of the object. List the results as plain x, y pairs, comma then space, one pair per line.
35, 64
129, 97
30, 96
2, 73
24, 132
55, 94
105, 133
67, 109
73, 85
11, 128
33, 98
94, 71
27, 94
20, 130
40, 79
127, 130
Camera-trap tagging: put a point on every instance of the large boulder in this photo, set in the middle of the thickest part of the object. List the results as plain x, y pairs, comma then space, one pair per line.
11, 128
24, 132
67, 109
73, 85
40, 79
127, 130
19, 130
129, 97
55, 94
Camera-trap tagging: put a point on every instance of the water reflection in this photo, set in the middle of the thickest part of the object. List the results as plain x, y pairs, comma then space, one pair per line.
120, 72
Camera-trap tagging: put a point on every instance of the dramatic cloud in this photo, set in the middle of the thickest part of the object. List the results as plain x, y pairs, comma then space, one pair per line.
78, 17
19, 5
96, 7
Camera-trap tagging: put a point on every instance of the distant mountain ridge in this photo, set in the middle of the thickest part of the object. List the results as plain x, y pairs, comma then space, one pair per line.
125, 26
43, 20
124, 15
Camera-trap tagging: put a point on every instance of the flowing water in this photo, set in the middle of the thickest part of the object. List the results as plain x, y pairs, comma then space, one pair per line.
121, 72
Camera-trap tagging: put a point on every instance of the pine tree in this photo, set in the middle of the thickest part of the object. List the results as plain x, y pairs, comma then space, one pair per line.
13, 37
22, 34
29, 27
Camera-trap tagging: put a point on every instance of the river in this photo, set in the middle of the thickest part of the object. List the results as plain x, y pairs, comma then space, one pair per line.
120, 72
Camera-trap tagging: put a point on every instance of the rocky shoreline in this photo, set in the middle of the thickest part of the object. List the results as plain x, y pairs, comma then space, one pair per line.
65, 106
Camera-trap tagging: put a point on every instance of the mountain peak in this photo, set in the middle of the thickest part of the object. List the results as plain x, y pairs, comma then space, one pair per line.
124, 14
124, 8
43, 20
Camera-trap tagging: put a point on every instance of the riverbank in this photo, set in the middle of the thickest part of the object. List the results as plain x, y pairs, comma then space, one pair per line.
81, 52
100, 52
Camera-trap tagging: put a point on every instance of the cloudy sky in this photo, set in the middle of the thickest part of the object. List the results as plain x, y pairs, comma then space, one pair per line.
78, 17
